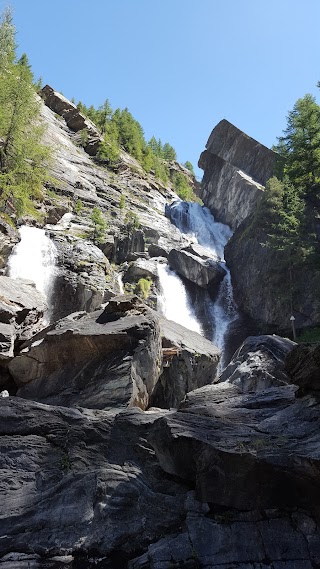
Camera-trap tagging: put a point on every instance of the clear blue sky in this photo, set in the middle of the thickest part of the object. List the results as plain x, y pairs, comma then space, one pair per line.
179, 66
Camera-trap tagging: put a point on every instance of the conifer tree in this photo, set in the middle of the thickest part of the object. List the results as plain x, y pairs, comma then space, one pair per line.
22, 157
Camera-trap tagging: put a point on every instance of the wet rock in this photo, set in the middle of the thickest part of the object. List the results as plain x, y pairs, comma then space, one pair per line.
205, 273
8, 238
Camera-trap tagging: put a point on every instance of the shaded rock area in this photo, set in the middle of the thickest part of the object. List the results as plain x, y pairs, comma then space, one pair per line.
109, 358
229, 480
302, 365
189, 361
236, 167
21, 310
8, 238
205, 273
260, 285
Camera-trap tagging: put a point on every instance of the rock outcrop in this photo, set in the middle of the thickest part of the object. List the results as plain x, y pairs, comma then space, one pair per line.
205, 273
21, 310
236, 167
228, 480
113, 358
302, 365
259, 364
261, 285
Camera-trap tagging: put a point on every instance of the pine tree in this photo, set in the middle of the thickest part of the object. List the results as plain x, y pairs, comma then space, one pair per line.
22, 157
300, 146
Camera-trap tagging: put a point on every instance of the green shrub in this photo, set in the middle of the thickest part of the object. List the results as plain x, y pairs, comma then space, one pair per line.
100, 225
132, 221
78, 207
143, 288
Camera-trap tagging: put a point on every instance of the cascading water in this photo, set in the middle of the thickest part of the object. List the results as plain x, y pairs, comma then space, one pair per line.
197, 221
173, 302
120, 283
34, 258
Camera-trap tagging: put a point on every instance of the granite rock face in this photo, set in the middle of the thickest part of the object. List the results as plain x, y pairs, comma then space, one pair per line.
236, 167
230, 479
205, 273
259, 363
22, 307
259, 282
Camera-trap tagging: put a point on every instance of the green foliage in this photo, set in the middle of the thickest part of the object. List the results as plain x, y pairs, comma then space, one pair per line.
84, 137
78, 207
281, 212
23, 159
300, 146
122, 202
309, 335
189, 166
182, 187
143, 288
100, 225
121, 130
132, 221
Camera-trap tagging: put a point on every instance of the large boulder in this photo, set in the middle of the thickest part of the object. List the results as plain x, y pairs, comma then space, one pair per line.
204, 272
22, 307
109, 358
259, 363
114, 358
236, 167
189, 361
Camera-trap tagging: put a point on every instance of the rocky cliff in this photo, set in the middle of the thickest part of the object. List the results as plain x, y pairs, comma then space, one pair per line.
266, 289
236, 167
120, 446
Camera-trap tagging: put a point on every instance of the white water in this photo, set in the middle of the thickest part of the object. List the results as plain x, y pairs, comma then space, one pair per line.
197, 221
34, 258
173, 302
120, 283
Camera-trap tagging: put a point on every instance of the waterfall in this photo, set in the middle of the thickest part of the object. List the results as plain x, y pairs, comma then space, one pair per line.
120, 283
198, 222
173, 301
34, 258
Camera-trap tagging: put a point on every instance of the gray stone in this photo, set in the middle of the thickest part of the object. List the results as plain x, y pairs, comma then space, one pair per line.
189, 361
205, 273
236, 167
259, 363
22, 307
